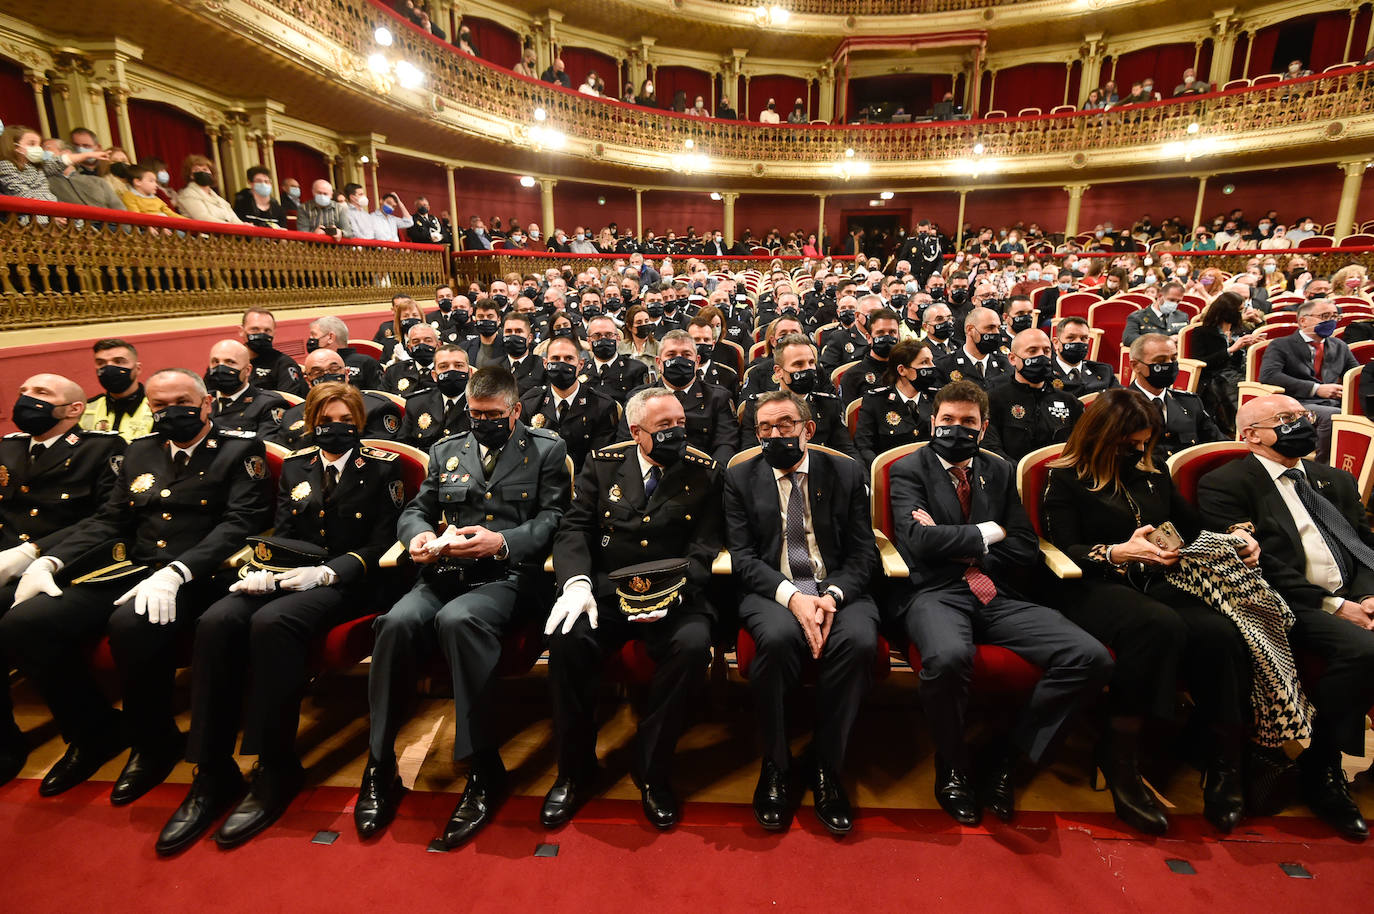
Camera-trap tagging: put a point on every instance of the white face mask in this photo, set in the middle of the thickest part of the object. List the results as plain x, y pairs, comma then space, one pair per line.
163, 178
323, 199
362, 201
34, 154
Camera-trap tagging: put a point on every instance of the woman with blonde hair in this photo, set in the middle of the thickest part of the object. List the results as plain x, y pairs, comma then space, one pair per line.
198, 198
1350, 282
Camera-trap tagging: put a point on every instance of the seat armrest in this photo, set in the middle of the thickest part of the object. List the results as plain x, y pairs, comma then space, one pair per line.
893, 566
721, 565
392, 557
1059, 564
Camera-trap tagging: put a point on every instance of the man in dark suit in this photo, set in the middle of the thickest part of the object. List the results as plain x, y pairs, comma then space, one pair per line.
1154, 367
1310, 366
1074, 372
606, 368
959, 526
794, 371
806, 596
711, 423
239, 406
503, 488
725, 113
186, 498
584, 417
442, 410
332, 333
517, 337
1317, 551
980, 359
1162, 317
475, 237
656, 499
383, 415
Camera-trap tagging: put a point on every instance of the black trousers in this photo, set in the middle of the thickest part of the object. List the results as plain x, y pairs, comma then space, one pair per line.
680, 645
48, 638
265, 640
1157, 637
946, 624
1345, 692
9, 729
845, 674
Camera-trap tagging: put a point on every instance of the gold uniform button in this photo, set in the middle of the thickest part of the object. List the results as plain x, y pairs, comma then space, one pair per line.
162, 544
23, 537
64, 496
491, 517
321, 514
358, 516
166, 493
23, 488
644, 543
33, 512
488, 496
689, 517
646, 518
203, 502
166, 516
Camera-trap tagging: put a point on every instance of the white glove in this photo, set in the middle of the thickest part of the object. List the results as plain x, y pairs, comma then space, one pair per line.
307, 578
450, 537
37, 579
577, 599
13, 561
255, 583
156, 596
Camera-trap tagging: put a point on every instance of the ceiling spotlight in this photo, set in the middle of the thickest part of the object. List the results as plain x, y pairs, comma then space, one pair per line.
978, 149
378, 63
527, 181
540, 114
886, 195
688, 143
715, 196
410, 77
383, 36
1194, 127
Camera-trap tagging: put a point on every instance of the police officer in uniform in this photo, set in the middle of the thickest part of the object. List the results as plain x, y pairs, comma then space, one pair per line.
849, 340
1026, 411
1074, 372
899, 412
708, 369
517, 338
608, 370
364, 372
488, 348
795, 372
759, 375
980, 359
442, 410
411, 374
186, 499
337, 504
272, 369
239, 406
53, 474
122, 408
584, 417
655, 499
383, 416
1154, 367
452, 319
711, 424
503, 488
854, 383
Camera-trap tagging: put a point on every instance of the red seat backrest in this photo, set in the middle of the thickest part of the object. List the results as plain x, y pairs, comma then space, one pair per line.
880, 479
1191, 464
1363, 351
1031, 475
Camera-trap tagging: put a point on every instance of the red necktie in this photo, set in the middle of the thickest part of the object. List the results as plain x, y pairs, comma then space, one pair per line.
1318, 356
978, 582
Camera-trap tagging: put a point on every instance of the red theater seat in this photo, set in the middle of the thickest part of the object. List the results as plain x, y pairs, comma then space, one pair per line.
746, 649
996, 670
1192, 463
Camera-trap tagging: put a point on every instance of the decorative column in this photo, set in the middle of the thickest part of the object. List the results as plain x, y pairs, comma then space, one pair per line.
743, 109
546, 186
242, 154
214, 132
959, 231
1249, 46
1090, 52
973, 89
825, 97
992, 93
639, 212
1350, 195
1075, 192
1224, 34
1350, 32
1068, 77
269, 158
372, 172
729, 227
820, 225
37, 81
126, 130
1197, 209
452, 196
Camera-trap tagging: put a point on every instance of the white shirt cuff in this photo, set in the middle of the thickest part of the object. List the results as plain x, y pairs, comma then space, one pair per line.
1332, 605
783, 594
992, 534
1314, 388
182, 570
573, 580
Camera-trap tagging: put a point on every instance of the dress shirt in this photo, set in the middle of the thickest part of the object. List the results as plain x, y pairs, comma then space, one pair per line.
786, 588
1322, 568
992, 531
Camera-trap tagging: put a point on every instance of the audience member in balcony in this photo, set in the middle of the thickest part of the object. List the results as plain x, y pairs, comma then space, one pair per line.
290, 196
527, 65
116, 171
1094, 101
1302, 229
646, 96
798, 113
582, 243
555, 74
628, 95
679, 101
559, 243
74, 186
1202, 240
1278, 240
699, 108
588, 87
606, 242
24, 168
141, 197
475, 238
424, 22
769, 115
1351, 281
321, 215
255, 204
1109, 93
1296, 70
724, 111
425, 227
1191, 85
198, 198
122, 408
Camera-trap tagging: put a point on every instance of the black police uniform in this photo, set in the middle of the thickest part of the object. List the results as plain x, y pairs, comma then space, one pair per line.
886, 421
862, 378
1022, 418
842, 347
449, 327
255, 411
64, 482
364, 371
738, 326
406, 378
959, 367
711, 424
589, 421
428, 419
528, 372
619, 377
382, 420
831, 430
275, 370
1086, 377
1186, 423
721, 376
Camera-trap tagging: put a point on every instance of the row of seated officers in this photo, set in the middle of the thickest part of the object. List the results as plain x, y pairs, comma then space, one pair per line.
129, 541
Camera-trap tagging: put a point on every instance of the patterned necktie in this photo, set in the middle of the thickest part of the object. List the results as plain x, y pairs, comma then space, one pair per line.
977, 581
1318, 357
651, 481
1344, 543
798, 556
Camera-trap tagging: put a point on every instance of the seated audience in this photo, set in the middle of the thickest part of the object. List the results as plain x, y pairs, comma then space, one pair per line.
198, 198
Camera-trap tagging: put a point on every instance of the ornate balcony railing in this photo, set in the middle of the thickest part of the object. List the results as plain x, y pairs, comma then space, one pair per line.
75, 264
874, 7
621, 132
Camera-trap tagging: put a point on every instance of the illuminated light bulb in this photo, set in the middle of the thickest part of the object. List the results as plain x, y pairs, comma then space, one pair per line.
1194, 127
886, 195
540, 114
978, 149
378, 63
410, 77
383, 36
527, 181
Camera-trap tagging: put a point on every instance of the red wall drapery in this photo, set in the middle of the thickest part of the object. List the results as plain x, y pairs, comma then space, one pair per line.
496, 43
20, 107
163, 132
1328, 41
1165, 63
1032, 85
486, 194
1262, 51
296, 160
669, 80
579, 61
410, 178
576, 204
783, 89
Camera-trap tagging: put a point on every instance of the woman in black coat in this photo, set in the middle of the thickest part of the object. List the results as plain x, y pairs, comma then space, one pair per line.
1220, 341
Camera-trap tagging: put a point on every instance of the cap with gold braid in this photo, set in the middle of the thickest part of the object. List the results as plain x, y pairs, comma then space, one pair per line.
648, 590
277, 553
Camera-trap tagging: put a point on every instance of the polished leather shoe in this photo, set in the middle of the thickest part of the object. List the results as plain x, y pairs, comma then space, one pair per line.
1325, 789
999, 788
481, 797
564, 798
660, 805
210, 797
76, 765
772, 808
832, 804
145, 769
270, 792
378, 798
1223, 794
955, 794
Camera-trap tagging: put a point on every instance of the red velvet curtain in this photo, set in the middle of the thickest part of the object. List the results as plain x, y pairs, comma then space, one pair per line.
1328, 41
1032, 85
496, 43
171, 135
411, 178
579, 61
296, 160
1164, 63
1262, 51
19, 107
670, 80
782, 89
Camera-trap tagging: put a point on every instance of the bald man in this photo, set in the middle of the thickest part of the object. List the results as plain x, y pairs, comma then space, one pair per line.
1028, 410
383, 415
239, 407
1317, 551
980, 359
52, 474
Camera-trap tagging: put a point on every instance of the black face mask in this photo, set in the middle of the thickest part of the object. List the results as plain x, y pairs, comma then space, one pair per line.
802, 382
115, 378
1162, 375
899, 301
223, 379
311, 344
943, 331
1037, 369
590, 312
679, 371
406, 324
927, 378
178, 423
604, 349
642, 331
705, 351
655, 309
561, 375
445, 305
1127, 461
337, 437
491, 433
882, 345
324, 378
782, 453
846, 318
1073, 353
515, 346
501, 300
1298, 439
668, 445
938, 293
33, 416
988, 343
452, 383
959, 296
955, 443
203, 178
260, 343
460, 317
1020, 322
423, 354
486, 327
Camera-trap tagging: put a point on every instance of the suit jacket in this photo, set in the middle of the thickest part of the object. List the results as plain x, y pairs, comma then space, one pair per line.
66, 483
258, 412
1288, 362
383, 420
938, 555
1146, 320
472, 241
826, 412
862, 378
959, 366
840, 520
1242, 492
528, 372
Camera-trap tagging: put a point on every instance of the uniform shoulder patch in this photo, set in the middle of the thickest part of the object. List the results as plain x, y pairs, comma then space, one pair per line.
612, 454
303, 452
542, 432
377, 453
698, 457
17, 435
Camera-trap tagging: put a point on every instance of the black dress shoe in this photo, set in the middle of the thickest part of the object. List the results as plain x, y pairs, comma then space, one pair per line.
999, 787
660, 805
1325, 789
481, 797
1223, 793
270, 792
378, 797
76, 765
1118, 760
145, 769
955, 794
772, 808
832, 804
210, 797
564, 798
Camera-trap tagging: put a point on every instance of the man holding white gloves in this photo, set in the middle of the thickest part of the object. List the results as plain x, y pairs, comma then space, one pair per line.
186, 498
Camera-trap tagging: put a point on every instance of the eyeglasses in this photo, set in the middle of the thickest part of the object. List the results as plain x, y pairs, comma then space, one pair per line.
1287, 419
785, 427
489, 413
1326, 315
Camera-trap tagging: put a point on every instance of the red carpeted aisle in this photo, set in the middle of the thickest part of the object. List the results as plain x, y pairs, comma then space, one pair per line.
78, 853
